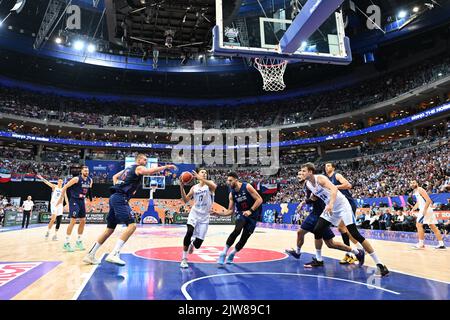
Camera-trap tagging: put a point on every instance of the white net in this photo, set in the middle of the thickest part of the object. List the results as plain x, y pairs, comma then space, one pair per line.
272, 71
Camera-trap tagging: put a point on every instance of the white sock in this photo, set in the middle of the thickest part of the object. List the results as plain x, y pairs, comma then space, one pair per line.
355, 251
225, 250
373, 255
298, 250
185, 253
319, 255
67, 239
119, 245
234, 251
56, 232
48, 232
420, 242
359, 246
79, 237
94, 248
441, 243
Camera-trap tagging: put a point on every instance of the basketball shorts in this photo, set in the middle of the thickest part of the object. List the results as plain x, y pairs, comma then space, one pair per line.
310, 222
341, 211
77, 208
250, 222
429, 218
200, 224
56, 210
119, 211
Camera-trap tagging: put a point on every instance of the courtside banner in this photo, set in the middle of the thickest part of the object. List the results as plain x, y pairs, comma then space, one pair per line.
93, 217
180, 219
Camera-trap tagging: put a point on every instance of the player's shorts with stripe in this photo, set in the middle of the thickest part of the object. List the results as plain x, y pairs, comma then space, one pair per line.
77, 208
341, 211
119, 211
200, 222
56, 210
429, 218
310, 222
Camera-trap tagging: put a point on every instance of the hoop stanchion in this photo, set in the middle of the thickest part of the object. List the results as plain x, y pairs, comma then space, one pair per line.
272, 71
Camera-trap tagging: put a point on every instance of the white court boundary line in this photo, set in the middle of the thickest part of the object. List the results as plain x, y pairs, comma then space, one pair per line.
188, 296
88, 277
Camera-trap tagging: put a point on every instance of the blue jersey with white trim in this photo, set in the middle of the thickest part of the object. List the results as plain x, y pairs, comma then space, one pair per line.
80, 189
129, 182
243, 200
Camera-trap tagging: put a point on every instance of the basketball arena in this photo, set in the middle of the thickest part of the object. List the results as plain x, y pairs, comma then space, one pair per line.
252, 150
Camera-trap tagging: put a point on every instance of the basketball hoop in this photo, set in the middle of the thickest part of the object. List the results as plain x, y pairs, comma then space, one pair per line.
272, 71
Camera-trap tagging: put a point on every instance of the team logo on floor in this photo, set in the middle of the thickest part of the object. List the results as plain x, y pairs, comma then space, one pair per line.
210, 254
11, 271
16, 276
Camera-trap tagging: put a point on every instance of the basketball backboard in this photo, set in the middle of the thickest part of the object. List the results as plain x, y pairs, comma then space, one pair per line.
261, 28
154, 181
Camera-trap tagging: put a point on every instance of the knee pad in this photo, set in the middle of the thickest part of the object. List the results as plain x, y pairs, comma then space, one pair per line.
188, 236
355, 233
197, 243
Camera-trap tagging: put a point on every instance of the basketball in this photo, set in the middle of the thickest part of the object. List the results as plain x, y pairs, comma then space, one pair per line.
186, 177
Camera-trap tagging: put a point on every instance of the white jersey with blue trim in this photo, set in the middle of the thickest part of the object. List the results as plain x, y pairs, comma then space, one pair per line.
421, 201
56, 194
324, 193
203, 201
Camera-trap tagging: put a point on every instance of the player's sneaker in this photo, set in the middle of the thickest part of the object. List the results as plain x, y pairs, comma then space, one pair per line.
230, 258
418, 247
67, 247
47, 235
221, 259
184, 264
55, 238
293, 253
79, 245
351, 259
360, 256
90, 259
382, 269
314, 263
440, 247
111, 258
191, 248
344, 259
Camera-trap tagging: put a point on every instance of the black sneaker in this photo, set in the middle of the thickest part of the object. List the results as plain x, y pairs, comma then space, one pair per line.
360, 257
440, 247
314, 263
293, 253
383, 269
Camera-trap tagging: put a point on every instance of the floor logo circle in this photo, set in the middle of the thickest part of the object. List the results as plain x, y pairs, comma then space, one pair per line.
210, 254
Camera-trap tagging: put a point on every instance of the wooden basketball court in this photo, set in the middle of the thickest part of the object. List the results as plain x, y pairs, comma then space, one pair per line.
67, 277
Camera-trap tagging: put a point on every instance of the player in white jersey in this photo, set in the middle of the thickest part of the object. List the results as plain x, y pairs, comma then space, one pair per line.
56, 210
198, 219
425, 216
337, 209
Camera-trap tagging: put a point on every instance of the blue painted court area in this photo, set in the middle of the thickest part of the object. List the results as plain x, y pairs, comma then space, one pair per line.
284, 279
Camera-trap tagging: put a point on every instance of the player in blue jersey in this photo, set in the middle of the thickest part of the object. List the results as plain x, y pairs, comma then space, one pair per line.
246, 202
344, 187
78, 188
125, 185
308, 225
